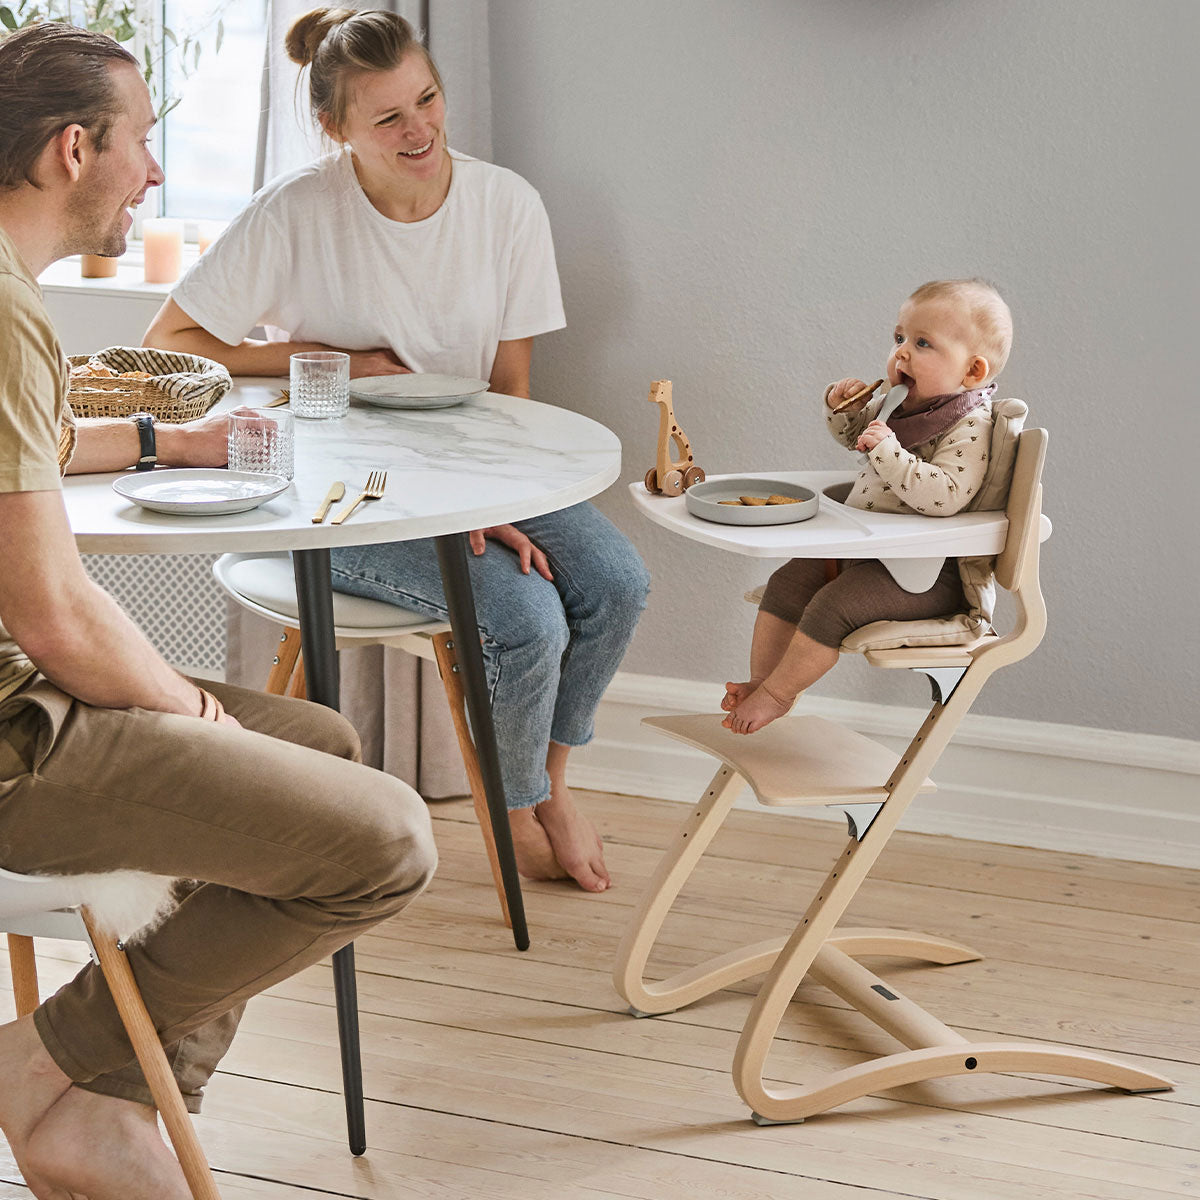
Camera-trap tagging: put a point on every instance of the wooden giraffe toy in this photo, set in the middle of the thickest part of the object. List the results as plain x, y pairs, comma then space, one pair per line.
670, 477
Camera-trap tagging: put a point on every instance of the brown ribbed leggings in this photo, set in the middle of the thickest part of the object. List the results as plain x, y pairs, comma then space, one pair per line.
863, 591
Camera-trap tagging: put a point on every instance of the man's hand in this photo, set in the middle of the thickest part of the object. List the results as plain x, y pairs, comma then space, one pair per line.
872, 436
365, 363
514, 539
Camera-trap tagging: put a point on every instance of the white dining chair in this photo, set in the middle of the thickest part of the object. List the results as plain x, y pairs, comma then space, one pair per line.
806, 760
94, 909
265, 584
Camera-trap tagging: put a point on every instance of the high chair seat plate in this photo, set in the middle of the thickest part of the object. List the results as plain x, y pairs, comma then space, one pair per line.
795, 760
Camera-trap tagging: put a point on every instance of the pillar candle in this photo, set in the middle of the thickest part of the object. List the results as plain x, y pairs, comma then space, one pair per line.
207, 232
96, 266
162, 245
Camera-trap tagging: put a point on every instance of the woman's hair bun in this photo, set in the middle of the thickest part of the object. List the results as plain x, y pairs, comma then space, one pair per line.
307, 32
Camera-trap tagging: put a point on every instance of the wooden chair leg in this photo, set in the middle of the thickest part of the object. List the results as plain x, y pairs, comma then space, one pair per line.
447, 661
153, 1062
23, 966
285, 662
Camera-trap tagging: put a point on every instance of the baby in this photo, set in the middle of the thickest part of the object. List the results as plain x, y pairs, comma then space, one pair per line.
951, 340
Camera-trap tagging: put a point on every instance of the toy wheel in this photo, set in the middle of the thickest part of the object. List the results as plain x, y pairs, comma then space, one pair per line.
672, 483
652, 481
692, 475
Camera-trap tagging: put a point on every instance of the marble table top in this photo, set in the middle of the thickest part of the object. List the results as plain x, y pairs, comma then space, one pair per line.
489, 461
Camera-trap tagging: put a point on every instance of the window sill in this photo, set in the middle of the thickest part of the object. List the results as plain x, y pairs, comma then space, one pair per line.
63, 276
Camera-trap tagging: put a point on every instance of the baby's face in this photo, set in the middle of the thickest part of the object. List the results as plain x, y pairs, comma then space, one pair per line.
932, 348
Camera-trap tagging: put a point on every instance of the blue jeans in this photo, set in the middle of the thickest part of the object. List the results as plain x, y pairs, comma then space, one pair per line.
549, 648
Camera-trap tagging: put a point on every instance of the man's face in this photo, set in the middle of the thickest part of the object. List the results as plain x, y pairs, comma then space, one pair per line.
115, 179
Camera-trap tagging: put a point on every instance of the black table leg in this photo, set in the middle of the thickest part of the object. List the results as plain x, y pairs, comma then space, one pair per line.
456, 582
314, 593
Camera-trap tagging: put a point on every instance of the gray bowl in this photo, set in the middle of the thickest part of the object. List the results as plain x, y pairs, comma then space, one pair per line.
704, 501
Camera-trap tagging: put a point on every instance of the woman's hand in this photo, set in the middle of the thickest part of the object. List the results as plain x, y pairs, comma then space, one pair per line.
872, 435
514, 539
844, 388
364, 363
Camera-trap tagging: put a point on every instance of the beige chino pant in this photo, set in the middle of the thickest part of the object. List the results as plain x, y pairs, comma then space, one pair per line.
296, 846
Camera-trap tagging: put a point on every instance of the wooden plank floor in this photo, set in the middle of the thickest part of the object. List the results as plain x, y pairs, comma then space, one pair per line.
491, 1073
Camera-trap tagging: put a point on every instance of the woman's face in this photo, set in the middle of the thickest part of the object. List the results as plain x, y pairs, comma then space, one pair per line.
395, 122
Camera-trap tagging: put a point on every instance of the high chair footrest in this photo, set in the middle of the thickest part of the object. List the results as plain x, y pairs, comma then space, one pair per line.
795, 760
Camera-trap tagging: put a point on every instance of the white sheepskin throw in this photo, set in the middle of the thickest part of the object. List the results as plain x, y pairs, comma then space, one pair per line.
126, 904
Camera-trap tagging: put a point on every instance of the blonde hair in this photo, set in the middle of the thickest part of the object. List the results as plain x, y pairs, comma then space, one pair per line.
337, 44
987, 311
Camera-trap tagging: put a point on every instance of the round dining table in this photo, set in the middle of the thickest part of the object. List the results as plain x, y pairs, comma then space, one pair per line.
490, 460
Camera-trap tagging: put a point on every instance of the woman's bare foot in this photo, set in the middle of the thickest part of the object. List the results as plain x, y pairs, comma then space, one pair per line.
757, 710
30, 1085
105, 1148
577, 845
736, 693
531, 845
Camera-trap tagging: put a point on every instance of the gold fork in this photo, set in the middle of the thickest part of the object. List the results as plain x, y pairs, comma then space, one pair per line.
372, 490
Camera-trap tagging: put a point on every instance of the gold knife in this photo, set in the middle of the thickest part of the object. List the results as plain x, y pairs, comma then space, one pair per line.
335, 493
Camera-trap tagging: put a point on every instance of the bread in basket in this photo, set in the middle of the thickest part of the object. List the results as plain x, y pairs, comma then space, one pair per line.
122, 380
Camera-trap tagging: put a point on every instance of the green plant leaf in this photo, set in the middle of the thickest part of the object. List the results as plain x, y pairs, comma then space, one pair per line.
168, 33
7, 17
220, 36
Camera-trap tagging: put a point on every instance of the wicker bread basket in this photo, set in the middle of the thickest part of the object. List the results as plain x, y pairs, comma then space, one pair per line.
181, 387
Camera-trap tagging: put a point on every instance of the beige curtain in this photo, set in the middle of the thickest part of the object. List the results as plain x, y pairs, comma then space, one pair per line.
394, 700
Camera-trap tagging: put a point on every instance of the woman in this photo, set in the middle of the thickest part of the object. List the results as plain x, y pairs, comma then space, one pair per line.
412, 257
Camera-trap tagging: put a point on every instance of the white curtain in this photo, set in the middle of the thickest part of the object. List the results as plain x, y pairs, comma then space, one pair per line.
394, 700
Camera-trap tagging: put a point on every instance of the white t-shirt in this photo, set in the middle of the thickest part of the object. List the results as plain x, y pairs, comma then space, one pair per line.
310, 255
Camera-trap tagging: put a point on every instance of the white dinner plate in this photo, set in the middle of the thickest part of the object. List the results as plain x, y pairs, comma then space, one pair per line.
199, 491
703, 500
416, 391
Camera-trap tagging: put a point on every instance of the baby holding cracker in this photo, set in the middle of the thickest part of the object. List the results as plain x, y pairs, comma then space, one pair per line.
952, 338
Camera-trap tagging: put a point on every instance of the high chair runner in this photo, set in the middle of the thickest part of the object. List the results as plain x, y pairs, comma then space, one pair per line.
57, 907
806, 760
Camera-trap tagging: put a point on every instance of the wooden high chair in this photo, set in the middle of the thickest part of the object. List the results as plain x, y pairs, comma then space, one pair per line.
806, 760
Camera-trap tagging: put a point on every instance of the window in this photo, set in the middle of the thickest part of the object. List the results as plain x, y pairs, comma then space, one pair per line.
209, 139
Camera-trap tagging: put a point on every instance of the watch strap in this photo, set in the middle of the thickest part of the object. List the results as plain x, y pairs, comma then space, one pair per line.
147, 449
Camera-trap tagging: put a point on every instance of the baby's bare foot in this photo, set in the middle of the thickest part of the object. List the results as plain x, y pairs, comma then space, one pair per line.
576, 843
758, 710
531, 846
735, 693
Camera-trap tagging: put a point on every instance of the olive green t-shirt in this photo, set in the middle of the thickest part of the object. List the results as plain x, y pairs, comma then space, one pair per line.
37, 434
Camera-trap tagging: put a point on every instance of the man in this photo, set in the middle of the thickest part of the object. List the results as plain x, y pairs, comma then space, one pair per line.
108, 758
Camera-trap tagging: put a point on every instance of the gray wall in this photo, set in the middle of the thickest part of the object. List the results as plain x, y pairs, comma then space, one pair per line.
742, 194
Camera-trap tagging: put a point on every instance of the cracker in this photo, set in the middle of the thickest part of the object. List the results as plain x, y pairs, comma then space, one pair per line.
755, 500
783, 499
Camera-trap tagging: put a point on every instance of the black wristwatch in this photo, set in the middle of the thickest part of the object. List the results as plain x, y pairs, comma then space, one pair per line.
148, 451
